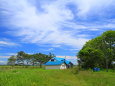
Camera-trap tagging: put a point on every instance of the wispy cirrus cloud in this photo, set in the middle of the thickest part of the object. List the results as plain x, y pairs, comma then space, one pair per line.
3, 62
54, 22
7, 43
4, 56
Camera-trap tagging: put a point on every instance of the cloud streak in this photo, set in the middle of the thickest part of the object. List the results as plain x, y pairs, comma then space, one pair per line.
3, 62
7, 43
4, 56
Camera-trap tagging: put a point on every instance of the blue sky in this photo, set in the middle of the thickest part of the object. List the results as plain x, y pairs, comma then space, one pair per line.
58, 26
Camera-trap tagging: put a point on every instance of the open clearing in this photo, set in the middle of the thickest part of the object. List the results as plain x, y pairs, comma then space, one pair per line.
42, 77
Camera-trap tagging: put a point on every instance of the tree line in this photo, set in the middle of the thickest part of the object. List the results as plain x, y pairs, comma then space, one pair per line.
98, 52
23, 58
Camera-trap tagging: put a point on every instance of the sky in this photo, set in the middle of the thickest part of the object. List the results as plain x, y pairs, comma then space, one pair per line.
58, 26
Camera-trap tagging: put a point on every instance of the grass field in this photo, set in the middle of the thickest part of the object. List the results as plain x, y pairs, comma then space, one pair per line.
41, 77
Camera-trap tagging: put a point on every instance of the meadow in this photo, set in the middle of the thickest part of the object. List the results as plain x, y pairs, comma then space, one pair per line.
20, 76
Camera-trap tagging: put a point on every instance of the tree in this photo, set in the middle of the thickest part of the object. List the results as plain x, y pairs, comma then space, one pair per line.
51, 55
20, 57
41, 58
27, 58
11, 60
37, 58
33, 59
91, 58
98, 50
79, 64
109, 38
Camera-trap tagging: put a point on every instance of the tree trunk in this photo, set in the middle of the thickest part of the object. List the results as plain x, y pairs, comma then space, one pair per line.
40, 65
110, 54
33, 64
106, 62
23, 63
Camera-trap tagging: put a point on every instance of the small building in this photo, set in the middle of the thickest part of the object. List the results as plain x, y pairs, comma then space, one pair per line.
58, 63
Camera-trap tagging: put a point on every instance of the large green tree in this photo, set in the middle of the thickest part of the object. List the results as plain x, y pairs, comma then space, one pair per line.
90, 57
33, 59
96, 51
109, 38
21, 57
27, 58
11, 60
42, 58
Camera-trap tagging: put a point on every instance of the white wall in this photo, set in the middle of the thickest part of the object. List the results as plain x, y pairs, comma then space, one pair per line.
52, 67
63, 66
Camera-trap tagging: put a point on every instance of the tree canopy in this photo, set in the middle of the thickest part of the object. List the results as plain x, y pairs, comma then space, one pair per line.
95, 51
11, 60
23, 58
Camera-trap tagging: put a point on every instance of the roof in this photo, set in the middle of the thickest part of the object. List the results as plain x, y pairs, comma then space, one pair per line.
54, 63
58, 61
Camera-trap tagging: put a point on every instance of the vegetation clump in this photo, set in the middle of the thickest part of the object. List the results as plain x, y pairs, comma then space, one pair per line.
98, 52
24, 59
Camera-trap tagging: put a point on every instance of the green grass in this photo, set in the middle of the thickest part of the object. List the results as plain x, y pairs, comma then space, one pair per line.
41, 77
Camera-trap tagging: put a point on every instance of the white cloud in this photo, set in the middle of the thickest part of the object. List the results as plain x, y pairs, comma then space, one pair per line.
50, 49
4, 56
73, 59
68, 57
8, 43
7, 55
74, 49
88, 7
11, 53
44, 24
3, 62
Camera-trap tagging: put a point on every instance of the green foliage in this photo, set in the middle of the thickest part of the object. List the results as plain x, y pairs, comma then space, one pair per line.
41, 58
20, 57
51, 55
91, 57
11, 60
34, 59
94, 51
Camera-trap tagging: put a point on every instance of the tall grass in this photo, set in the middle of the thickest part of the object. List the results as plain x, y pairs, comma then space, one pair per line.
41, 77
